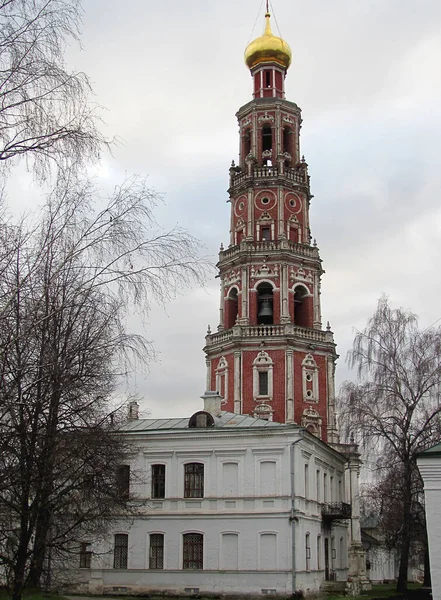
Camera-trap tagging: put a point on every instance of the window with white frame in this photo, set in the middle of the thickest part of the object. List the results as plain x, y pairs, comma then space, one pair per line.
307, 553
317, 482
120, 551
263, 376
156, 551
306, 480
158, 481
193, 551
222, 378
194, 480
85, 555
310, 379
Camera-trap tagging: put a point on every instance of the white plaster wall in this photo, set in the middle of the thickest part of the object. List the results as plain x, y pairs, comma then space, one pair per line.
383, 564
430, 469
260, 506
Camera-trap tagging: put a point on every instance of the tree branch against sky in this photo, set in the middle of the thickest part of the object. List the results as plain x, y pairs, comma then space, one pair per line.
71, 273
393, 409
46, 114
70, 277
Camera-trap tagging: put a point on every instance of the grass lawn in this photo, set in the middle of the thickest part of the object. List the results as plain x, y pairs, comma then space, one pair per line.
384, 590
31, 596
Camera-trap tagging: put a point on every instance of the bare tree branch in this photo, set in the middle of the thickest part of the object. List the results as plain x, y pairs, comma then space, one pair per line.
393, 410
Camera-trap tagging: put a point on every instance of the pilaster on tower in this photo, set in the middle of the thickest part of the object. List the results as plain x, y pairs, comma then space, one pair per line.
270, 356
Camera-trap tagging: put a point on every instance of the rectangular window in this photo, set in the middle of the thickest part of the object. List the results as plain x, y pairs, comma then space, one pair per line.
263, 383
120, 551
267, 79
318, 485
156, 555
158, 481
265, 234
194, 480
306, 481
85, 556
123, 481
193, 551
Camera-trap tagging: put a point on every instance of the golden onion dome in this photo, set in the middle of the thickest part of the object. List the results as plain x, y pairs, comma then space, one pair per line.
268, 48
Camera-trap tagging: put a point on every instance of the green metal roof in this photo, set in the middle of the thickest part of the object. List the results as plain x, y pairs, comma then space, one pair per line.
433, 451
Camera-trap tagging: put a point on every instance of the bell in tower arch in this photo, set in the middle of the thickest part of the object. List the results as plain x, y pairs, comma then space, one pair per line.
265, 314
265, 304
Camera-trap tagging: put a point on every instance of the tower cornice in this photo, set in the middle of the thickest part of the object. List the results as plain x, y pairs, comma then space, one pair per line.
260, 103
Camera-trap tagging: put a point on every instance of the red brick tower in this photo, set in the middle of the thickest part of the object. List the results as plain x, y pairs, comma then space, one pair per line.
270, 357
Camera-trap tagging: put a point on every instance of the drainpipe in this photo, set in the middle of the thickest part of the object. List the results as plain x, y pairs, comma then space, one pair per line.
293, 518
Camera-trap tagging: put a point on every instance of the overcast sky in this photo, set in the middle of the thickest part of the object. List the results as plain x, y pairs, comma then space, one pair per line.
367, 75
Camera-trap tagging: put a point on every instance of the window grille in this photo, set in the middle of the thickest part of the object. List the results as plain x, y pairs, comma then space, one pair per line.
120, 551
158, 481
194, 480
193, 551
156, 558
85, 556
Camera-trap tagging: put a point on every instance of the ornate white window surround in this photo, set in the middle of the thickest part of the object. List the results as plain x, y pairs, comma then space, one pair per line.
310, 379
262, 362
222, 378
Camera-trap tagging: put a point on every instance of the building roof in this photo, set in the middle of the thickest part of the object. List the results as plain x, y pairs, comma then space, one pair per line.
226, 420
433, 451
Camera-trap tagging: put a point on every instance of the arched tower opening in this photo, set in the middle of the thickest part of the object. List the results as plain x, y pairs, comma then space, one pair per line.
231, 308
288, 144
267, 142
301, 307
246, 147
265, 314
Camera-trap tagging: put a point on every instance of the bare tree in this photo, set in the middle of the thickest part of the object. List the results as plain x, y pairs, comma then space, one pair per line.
67, 284
45, 110
393, 408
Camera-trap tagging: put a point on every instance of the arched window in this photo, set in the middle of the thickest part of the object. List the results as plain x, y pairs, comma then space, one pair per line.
287, 143
307, 553
267, 138
246, 142
120, 551
265, 304
123, 481
341, 552
231, 308
193, 551
156, 551
306, 481
301, 316
158, 481
194, 480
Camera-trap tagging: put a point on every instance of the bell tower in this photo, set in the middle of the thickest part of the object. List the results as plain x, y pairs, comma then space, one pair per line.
270, 357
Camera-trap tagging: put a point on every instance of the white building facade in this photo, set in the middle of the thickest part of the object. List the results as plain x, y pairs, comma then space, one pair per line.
429, 464
224, 505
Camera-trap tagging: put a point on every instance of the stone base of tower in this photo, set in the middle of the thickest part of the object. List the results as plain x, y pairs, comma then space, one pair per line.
358, 580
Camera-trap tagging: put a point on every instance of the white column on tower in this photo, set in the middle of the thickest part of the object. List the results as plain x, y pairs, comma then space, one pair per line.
237, 383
